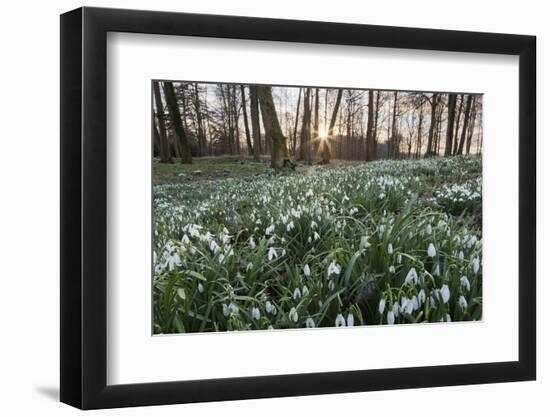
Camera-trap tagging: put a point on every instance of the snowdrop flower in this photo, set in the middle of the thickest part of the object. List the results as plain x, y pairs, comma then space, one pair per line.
391, 269
472, 241
272, 253
185, 239
429, 229
415, 303
334, 268
364, 242
307, 271
407, 305
445, 293
399, 258
256, 313
390, 317
269, 308
231, 308
465, 283
436, 270
421, 297
448, 318
316, 236
313, 224
476, 265
340, 321
293, 314
290, 226
395, 309
270, 327
270, 230
305, 291
310, 324
461, 255
214, 246
350, 320
200, 287
251, 243
390, 248
411, 277
221, 258
297, 294
462, 303
431, 250
173, 260
249, 266
381, 305
331, 285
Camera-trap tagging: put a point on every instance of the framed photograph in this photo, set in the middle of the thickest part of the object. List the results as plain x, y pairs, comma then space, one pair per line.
256, 208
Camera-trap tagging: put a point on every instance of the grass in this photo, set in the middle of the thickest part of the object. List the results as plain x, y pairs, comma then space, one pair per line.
350, 244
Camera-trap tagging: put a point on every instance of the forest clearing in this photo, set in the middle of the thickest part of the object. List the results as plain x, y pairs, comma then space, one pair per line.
355, 231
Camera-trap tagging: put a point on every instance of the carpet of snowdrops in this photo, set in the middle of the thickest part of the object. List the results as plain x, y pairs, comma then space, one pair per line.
386, 242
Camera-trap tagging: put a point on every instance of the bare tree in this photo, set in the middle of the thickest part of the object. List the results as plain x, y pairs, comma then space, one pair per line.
175, 115
326, 142
164, 146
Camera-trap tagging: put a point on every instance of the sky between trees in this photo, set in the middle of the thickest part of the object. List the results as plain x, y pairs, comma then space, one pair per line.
309, 124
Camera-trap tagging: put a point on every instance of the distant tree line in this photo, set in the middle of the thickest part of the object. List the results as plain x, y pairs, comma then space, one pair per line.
310, 125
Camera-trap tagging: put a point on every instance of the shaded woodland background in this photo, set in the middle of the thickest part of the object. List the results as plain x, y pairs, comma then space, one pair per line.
310, 125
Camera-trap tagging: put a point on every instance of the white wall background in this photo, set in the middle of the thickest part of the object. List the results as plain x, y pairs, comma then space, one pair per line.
29, 225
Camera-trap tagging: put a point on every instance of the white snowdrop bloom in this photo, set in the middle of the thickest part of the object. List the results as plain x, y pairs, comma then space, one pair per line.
381, 196
259, 221
185, 239
461, 255
334, 268
475, 265
407, 305
313, 224
331, 285
465, 283
390, 317
316, 236
214, 247
431, 250
350, 320
207, 237
395, 309
270, 327
256, 313
390, 248
173, 260
309, 193
297, 294
271, 253
249, 266
429, 229
346, 198
381, 305
462, 303
415, 303
436, 270
225, 310
472, 241
310, 324
284, 219
448, 318
200, 287
445, 293
251, 243
305, 291
421, 297
399, 258
391, 269
340, 321
290, 226
270, 230
364, 242
307, 271
411, 277
221, 258
293, 314
283, 252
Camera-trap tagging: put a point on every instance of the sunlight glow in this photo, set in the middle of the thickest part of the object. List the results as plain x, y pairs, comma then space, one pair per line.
323, 134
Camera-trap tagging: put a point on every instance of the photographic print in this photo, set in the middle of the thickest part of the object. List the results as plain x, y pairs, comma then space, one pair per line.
285, 207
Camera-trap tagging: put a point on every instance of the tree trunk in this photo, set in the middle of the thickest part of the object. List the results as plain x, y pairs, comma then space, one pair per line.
255, 116
420, 120
245, 116
371, 142
201, 135
305, 131
465, 125
392, 151
279, 154
450, 124
457, 124
175, 114
434, 102
294, 136
473, 118
164, 146
326, 143
315, 143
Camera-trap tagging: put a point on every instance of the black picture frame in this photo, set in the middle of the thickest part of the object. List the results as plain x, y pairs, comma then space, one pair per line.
84, 207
